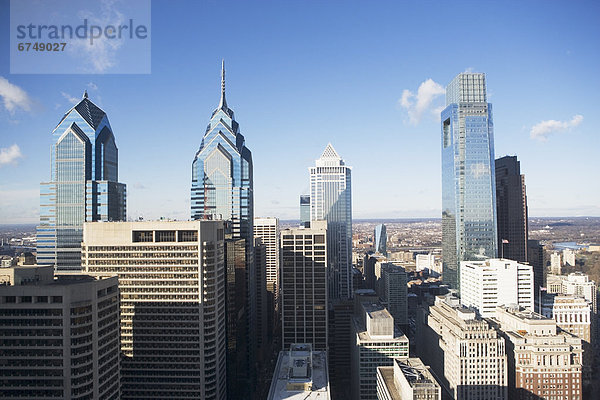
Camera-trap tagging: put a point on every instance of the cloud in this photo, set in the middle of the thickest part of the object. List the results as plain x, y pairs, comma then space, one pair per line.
10, 155
92, 86
100, 55
70, 99
417, 104
543, 129
14, 97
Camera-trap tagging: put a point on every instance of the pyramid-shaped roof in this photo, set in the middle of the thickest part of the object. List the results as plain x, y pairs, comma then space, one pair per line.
330, 152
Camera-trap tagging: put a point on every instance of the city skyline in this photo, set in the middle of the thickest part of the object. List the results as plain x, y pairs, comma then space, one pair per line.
327, 83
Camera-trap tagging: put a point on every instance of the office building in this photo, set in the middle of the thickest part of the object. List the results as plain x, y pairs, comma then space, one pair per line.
305, 210
511, 203
393, 291
83, 185
268, 230
260, 260
468, 181
60, 335
172, 282
340, 343
300, 374
495, 282
222, 189
536, 258
377, 342
425, 261
369, 261
304, 296
331, 200
380, 239
464, 352
408, 379
577, 284
544, 361
569, 257
556, 263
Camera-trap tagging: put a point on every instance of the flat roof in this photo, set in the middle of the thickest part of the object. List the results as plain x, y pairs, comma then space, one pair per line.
320, 379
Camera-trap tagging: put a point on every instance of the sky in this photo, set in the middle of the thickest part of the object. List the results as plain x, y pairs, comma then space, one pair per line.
366, 76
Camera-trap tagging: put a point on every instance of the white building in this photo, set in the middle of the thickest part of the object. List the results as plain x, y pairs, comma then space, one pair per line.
495, 282
331, 200
464, 352
555, 263
300, 374
60, 335
407, 380
569, 257
577, 284
377, 342
172, 282
425, 261
268, 230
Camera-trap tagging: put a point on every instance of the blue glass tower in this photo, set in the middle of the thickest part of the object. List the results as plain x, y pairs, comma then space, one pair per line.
380, 239
222, 188
468, 178
83, 187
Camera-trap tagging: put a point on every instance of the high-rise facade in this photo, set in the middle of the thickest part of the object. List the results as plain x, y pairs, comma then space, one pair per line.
268, 230
393, 291
511, 203
305, 210
222, 188
304, 286
468, 182
60, 335
537, 260
380, 239
464, 351
83, 185
172, 283
496, 282
331, 200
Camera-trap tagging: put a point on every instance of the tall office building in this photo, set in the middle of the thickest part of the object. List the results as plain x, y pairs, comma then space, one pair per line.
83, 185
468, 180
543, 361
511, 203
393, 291
464, 351
172, 282
380, 239
305, 210
268, 230
60, 335
331, 200
495, 282
376, 342
304, 286
222, 188
260, 261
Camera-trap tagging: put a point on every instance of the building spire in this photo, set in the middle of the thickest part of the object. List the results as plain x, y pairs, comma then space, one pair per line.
222, 103
85, 95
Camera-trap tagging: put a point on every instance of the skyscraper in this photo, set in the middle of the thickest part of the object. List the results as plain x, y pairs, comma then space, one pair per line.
331, 200
83, 186
380, 239
511, 202
305, 210
468, 181
222, 188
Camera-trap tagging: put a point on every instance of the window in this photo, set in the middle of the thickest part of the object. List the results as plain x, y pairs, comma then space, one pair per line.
142, 236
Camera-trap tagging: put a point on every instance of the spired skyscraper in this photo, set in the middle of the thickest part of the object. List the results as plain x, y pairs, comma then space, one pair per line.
468, 180
222, 188
331, 200
83, 185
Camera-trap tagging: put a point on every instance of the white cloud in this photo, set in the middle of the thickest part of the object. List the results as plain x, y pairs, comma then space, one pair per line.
10, 155
100, 55
70, 99
92, 86
417, 104
14, 97
543, 129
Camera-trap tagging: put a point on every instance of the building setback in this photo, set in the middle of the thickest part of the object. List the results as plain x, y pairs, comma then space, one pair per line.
407, 380
60, 335
465, 352
172, 283
304, 286
544, 362
468, 181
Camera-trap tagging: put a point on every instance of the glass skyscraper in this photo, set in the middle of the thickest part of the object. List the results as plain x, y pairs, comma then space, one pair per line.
380, 239
83, 186
331, 200
468, 180
222, 188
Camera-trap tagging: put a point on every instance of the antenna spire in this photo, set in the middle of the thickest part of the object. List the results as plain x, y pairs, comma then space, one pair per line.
85, 95
222, 103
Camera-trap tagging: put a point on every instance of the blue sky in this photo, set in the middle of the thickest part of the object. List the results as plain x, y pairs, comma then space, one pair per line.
302, 74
